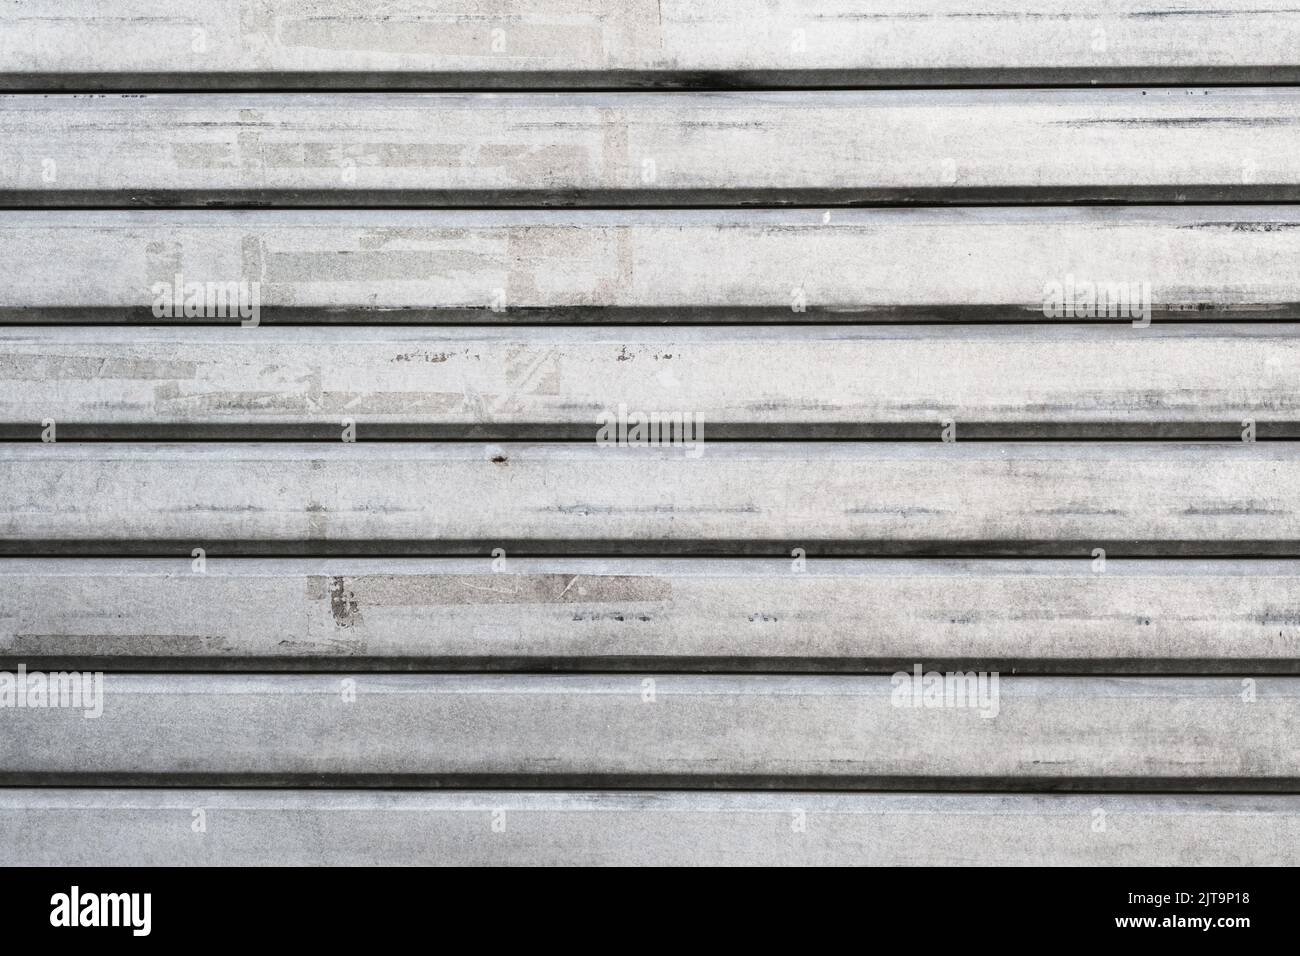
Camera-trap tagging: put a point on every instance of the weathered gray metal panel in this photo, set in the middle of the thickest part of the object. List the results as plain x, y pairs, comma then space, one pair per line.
1134, 499
1157, 617
651, 730
708, 669
741, 382
358, 828
668, 149
198, 44
1192, 262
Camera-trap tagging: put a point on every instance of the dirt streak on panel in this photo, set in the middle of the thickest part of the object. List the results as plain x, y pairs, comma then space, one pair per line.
137, 645
402, 590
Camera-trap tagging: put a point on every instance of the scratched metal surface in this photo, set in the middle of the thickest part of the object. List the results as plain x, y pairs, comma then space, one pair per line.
344, 565
660, 149
349, 44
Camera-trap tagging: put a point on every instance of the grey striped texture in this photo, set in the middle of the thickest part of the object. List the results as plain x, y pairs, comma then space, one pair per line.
367, 588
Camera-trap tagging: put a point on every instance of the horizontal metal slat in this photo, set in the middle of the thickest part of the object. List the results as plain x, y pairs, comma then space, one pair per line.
314, 828
660, 149
1102, 381
982, 264
202, 44
634, 730
1133, 499
1154, 617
